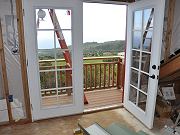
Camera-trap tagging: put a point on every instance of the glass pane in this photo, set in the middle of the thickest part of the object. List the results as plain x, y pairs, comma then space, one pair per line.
45, 40
64, 78
144, 82
64, 18
46, 51
147, 41
3, 105
145, 63
136, 40
138, 20
135, 59
147, 14
142, 101
67, 37
47, 80
44, 21
134, 77
133, 95
65, 96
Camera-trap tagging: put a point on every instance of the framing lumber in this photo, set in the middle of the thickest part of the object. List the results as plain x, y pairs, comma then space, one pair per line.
170, 22
171, 67
19, 11
4, 76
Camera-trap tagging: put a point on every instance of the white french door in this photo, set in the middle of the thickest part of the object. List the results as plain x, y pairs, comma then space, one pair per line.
144, 40
55, 59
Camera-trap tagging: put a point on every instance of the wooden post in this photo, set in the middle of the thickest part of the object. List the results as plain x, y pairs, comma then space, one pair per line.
119, 73
20, 26
170, 22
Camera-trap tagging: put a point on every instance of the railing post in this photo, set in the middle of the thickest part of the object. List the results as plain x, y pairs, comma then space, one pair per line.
119, 68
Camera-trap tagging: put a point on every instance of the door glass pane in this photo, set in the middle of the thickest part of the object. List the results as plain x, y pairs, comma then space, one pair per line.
136, 40
132, 94
138, 20
145, 62
147, 41
134, 77
135, 59
148, 15
54, 43
142, 98
144, 82
48, 80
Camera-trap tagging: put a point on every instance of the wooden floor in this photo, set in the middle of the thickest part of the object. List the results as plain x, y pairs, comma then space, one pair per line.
103, 98
97, 99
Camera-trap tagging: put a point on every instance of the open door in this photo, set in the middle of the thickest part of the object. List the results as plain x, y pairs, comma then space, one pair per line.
55, 59
144, 40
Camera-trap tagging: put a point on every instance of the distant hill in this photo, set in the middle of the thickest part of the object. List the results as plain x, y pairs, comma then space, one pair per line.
89, 49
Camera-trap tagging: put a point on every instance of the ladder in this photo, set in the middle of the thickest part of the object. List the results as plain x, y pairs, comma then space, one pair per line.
62, 44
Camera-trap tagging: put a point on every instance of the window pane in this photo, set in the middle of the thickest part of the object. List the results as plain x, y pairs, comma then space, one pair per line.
138, 20
133, 95
48, 80
134, 77
135, 59
145, 63
142, 101
147, 41
147, 14
64, 78
136, 40
144, 82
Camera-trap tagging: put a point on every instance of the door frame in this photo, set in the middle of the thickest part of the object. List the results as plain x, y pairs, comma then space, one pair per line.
77, 59
156, 58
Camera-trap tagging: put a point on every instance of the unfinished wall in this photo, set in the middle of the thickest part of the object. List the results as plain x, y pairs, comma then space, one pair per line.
12, 61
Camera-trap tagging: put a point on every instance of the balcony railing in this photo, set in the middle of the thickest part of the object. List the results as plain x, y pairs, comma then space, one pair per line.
99, 73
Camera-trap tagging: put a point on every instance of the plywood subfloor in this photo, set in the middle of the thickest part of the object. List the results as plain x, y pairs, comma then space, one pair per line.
65, 125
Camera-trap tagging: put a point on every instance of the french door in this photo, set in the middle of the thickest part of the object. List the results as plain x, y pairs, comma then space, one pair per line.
55, 60
144, 40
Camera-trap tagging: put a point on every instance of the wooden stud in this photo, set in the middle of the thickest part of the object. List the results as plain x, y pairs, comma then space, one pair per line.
170, 22
20, 26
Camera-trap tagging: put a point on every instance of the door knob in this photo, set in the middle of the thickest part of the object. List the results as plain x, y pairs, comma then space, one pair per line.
152, 76
154, 67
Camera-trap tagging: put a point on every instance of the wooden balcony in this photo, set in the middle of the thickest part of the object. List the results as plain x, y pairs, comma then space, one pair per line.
103, 80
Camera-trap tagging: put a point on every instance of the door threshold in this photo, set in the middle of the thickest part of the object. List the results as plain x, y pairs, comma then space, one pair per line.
104, 108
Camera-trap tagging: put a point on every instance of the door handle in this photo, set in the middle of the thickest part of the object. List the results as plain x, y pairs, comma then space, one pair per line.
154, 67
152, 76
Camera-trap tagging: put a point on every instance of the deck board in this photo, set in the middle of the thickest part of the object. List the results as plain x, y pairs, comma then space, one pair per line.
96, 99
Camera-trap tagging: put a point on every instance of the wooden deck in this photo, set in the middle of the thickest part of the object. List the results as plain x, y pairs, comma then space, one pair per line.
97, 99
103, 98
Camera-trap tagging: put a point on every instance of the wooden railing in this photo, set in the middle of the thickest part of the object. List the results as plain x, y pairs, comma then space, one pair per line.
107, 72
99, 73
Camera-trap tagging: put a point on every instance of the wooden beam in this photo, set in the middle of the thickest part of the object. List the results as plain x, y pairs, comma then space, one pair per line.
170, 22
170, 67
19, 11
4, 76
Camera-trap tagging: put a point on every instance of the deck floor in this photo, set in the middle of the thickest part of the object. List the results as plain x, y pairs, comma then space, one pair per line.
103, 98
96, 99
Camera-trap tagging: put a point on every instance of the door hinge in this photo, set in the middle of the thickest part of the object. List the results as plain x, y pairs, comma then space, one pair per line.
31, 107
23, 12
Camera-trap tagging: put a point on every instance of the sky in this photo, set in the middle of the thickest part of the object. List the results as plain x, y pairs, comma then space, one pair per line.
101, 23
